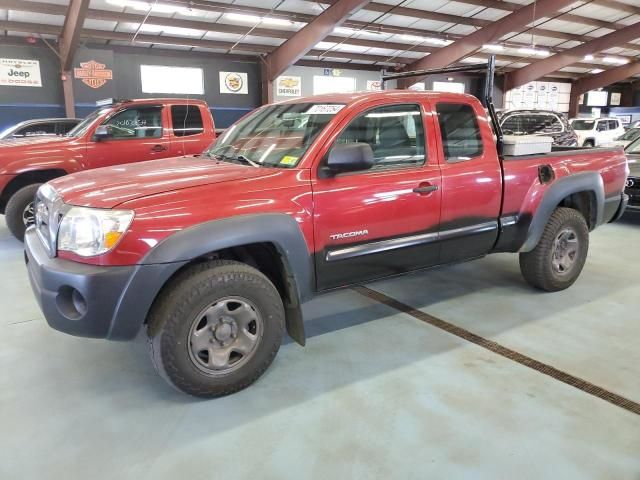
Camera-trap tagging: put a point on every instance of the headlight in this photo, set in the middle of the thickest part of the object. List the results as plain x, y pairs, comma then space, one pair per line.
88, 231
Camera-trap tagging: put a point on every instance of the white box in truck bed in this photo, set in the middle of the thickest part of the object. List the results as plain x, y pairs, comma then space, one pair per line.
519, 145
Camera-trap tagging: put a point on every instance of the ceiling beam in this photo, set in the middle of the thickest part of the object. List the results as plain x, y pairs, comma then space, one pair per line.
70, 36
465, 46
618, 74
306, 38
540, 68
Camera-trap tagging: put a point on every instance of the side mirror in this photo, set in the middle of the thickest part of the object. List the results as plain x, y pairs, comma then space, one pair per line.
102, 132
350, 157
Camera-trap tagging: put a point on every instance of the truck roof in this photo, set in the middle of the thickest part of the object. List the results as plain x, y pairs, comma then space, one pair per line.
169, 101
347, 98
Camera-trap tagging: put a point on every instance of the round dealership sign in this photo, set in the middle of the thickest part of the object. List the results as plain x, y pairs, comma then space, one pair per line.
233, 82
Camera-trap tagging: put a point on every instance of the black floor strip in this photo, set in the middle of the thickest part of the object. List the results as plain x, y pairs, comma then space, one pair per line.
505, 352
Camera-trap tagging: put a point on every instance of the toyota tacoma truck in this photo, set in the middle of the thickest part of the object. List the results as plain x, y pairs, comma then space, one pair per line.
213, 255
120, 131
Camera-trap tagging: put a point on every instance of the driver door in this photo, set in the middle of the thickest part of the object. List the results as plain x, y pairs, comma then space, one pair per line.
382, 221
137, 135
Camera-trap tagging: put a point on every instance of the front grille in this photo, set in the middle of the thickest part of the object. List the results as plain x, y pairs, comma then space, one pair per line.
49, 210
633, 190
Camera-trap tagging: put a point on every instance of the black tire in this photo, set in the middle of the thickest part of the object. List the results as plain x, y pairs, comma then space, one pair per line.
589, 144
181, 307
15, 209
537, 266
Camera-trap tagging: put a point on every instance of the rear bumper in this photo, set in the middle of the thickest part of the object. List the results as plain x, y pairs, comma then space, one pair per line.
4, 181
622, 206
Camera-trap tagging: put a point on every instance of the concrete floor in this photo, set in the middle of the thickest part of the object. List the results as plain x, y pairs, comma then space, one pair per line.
375, 394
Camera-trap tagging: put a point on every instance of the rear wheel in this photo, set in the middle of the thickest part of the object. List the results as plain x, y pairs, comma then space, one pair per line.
216, 328
559, 257
19, 212
589, 143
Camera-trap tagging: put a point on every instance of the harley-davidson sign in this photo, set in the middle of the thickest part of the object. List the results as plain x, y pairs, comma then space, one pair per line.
93, 74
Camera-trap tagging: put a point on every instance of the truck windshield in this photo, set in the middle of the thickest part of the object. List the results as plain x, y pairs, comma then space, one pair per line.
634, 147
274, 136
583, 124
631, 134
82, 127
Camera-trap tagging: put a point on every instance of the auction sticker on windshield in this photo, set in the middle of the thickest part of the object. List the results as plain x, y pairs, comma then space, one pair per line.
326, 109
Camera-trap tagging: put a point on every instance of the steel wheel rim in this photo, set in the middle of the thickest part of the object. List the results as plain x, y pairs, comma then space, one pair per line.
225, 335
564, 254
29, 215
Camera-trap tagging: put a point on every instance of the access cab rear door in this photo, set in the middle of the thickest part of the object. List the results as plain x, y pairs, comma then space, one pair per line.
471, 178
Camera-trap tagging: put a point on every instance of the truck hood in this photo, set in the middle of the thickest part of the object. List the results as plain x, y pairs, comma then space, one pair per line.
111, 186
35, 142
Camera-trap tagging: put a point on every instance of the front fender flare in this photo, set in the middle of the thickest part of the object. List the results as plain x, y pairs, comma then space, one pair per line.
555, 194
177, 250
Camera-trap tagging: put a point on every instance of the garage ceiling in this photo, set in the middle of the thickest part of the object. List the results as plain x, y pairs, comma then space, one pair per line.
385, 33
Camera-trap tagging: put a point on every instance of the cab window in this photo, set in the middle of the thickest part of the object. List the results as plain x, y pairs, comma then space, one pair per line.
186, 120
460, 132
602, 126
139, 122
395, 134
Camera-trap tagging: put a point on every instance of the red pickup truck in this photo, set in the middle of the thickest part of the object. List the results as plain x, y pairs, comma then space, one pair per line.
122, 131
215, 254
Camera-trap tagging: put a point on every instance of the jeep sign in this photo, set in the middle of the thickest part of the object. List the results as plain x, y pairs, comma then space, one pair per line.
20, 73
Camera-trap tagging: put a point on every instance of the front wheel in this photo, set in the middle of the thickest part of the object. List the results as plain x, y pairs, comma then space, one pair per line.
19, 212
216, 328
559, 257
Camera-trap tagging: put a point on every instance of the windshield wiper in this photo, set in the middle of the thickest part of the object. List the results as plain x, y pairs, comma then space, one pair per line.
230, 158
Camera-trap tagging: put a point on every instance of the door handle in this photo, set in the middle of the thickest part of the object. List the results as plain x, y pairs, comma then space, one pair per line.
425, 189
159, 148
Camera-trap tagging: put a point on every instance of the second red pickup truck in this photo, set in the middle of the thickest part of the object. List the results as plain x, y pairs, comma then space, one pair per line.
215, 254
120, 131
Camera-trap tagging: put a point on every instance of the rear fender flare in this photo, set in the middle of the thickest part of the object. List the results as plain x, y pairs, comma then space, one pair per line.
555, 194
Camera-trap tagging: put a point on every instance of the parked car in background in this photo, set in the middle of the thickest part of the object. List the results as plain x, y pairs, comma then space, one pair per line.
633, 181
39, 127
539, 122
595, 132
626, 139
118, 132
214, 255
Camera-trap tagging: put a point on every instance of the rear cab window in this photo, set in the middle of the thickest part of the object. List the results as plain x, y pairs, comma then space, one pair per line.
186, 120
459, 131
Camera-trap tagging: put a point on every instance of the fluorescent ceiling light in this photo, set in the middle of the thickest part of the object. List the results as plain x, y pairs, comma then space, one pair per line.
145, 6
493, 47
352, 31
435, 41
597, 70
615, 60
242, 17
588, 58
474, 60
412, 38
439, 41
533, 51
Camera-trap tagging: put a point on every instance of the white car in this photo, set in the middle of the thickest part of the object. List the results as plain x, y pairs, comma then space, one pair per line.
596, 132
626, 139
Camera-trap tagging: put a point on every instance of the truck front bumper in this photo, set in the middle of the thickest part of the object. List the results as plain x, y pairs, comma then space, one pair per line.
75, 298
